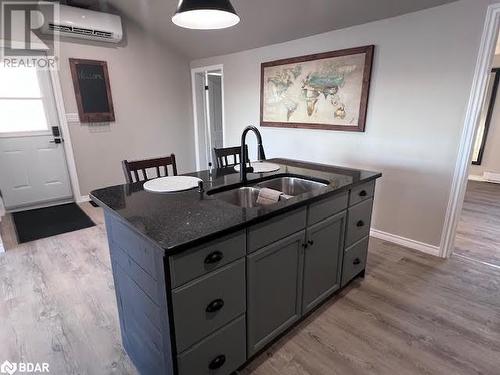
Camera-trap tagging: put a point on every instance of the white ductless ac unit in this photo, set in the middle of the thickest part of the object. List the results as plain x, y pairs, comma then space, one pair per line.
84, 24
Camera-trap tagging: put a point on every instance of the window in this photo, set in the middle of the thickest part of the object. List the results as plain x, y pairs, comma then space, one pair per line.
21, 101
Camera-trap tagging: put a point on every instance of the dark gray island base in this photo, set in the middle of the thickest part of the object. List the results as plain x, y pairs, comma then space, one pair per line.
204, 285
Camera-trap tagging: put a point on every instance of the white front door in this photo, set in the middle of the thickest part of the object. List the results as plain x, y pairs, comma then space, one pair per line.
33, 168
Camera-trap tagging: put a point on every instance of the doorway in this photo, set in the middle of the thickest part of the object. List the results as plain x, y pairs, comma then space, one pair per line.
478, 232
208, 112
467, 198
33, 166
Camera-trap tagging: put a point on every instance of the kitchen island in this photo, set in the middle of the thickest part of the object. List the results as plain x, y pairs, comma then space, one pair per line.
205, 280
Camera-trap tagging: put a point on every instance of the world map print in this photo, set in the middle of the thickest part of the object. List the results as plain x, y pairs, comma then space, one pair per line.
324, 91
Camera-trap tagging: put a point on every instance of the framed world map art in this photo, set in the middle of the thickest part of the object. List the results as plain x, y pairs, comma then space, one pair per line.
321, 91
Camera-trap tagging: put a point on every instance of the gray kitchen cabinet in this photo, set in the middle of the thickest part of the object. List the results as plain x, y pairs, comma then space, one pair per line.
323, 260
202, 285
274, 281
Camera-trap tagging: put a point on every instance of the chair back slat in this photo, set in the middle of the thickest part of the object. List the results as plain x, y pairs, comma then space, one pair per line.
222, 154
131, 168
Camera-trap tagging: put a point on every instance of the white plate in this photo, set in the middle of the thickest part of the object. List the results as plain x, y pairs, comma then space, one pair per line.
260, 167
171, 184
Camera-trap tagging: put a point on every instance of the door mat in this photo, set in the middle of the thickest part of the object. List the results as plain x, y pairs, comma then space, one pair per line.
50, 221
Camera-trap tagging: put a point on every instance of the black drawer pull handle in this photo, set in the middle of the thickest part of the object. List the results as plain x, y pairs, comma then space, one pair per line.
360, 223
363, 193
215, 305
214, 257
356, 261
217, 362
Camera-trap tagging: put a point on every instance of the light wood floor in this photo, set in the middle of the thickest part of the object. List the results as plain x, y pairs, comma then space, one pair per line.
413, 314
478, 233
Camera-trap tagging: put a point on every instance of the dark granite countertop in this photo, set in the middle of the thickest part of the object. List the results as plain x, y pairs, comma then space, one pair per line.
179, 220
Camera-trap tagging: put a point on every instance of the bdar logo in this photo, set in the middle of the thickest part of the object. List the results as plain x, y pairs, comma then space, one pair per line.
8, 368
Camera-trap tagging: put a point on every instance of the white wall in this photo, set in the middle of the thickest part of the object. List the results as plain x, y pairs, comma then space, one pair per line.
421, 82
491, 155
152, 102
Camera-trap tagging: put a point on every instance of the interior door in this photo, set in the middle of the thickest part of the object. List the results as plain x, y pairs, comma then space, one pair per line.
33, 167
209, 129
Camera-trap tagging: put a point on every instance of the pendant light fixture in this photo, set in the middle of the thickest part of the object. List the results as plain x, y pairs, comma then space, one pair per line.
205, 14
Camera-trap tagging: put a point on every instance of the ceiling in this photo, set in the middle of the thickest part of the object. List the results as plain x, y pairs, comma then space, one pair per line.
263, 22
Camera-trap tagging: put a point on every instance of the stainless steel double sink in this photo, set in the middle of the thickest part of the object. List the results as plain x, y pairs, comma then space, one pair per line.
246, 196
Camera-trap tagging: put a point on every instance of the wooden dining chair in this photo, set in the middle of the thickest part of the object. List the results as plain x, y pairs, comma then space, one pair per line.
223, 156
154, 166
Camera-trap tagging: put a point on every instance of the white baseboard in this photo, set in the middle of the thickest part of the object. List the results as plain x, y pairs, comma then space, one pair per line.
492, 177
474, 177
406, 242
83, 198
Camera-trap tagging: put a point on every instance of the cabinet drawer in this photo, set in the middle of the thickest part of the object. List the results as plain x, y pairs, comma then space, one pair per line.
206, 304
327, 207
272, 230
219, 354
361, 193
358, 221
354, 260
191, 264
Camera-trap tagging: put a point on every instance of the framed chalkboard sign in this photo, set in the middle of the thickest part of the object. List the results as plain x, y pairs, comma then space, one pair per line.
92, 90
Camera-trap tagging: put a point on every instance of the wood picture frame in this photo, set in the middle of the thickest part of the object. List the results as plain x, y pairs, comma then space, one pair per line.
92, 90
307, 94
477, 158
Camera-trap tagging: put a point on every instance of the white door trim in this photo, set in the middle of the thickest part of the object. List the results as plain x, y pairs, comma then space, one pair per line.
474, 107
63, 124
202, 69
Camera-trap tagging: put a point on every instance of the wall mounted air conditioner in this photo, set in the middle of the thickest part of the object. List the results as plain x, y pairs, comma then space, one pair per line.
84, 24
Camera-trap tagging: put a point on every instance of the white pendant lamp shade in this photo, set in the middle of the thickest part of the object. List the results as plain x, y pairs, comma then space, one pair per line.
205, 14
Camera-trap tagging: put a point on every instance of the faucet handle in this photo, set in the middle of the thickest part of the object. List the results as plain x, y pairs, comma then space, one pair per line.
200, 187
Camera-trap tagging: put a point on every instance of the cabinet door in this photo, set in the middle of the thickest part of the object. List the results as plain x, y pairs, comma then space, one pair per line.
323, 260
274, 276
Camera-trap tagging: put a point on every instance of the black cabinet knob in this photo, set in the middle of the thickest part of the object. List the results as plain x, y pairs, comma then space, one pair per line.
360, 223
310, 242
356, 261
214, 257
217, 362
304, 245
215, 305
363, 193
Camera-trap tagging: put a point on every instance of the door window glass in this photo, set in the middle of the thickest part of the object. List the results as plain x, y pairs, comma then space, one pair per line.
21, 101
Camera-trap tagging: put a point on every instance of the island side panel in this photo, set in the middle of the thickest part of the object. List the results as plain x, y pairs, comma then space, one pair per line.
140, 286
